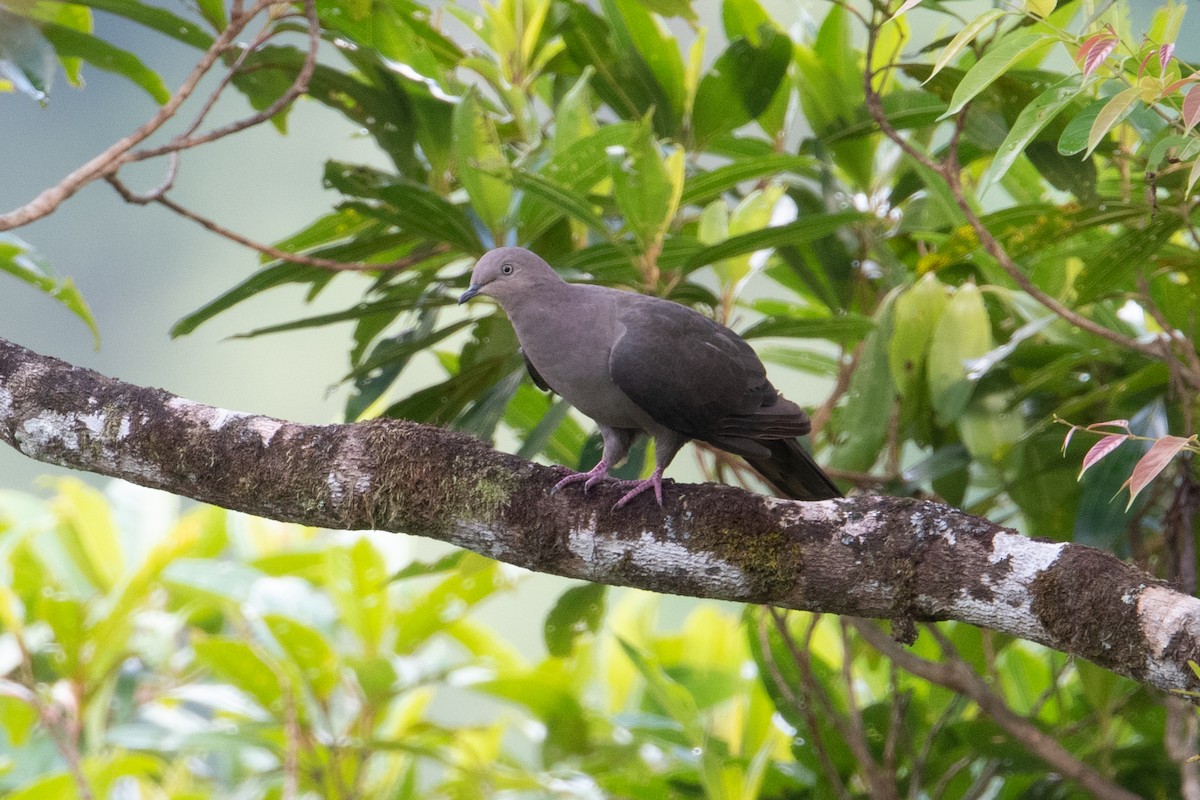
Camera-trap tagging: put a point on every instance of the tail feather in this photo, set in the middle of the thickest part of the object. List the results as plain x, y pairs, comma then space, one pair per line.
793, 472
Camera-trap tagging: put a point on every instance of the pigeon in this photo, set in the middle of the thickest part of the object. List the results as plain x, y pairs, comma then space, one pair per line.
638, 365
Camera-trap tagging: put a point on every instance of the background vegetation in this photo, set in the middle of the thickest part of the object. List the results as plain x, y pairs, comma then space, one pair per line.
968, 239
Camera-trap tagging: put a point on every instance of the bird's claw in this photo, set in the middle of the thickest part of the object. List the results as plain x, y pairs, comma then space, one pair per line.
590, 478
653, 482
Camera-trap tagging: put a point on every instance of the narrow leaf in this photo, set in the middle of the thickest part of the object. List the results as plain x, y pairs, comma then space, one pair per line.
1099, 450
1164, 56
1193, 176
20, 260
480, 159
1191, 108
1154, 462
1125, 253
963, 38
998, 60
802, 230
102, 55
1029, 123
704, 186
907, 5
1108, 118
1093, 51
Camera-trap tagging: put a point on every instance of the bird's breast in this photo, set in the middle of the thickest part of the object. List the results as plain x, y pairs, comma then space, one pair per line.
570, 350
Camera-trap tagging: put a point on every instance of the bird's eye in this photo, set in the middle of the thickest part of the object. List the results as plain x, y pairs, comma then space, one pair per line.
506, 269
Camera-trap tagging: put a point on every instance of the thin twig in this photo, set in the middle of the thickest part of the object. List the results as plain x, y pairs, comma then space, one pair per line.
958, 676
803, 708
882, 783
299, 86
333, 265
116, 154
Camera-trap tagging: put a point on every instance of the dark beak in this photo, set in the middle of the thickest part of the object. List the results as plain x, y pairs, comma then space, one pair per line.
471, 291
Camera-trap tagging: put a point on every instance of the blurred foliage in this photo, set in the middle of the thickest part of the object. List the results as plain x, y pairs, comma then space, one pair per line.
730, 164
147, 654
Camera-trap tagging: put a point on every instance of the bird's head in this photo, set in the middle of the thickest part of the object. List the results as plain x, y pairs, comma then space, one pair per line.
507, 273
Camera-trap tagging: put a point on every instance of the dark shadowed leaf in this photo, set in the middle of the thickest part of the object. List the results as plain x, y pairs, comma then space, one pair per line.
577, 611
740, 84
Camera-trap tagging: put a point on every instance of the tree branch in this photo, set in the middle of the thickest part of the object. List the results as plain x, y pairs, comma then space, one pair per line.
889, 557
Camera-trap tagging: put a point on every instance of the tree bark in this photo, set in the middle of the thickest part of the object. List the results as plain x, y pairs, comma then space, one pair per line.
886, 557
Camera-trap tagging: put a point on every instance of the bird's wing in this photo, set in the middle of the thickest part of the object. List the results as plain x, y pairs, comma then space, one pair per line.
688, 373
538, 380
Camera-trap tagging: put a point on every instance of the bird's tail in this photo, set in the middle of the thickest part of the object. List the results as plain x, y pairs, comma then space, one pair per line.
792, 471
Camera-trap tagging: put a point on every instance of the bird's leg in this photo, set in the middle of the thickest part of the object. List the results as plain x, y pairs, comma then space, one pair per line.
616, 445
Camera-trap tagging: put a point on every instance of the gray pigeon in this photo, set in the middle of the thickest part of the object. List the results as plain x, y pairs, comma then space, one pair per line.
638, 364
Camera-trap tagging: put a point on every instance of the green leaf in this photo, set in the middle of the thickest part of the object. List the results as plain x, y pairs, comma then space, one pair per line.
1128, 252
866, 417
800, 231
562, 199
702, 187
999, 58
19, 260
573, 117
410, 206
481, 163
357, 583
577, 611
625, 84
1110, 116
65, 616
964, 37
157, 19
309, 651
240, 665
102, 55
87, 531
269, 278
214, 12
740, 84
915, 316
675, 700
845, 329
419, 569
476, 579
1029, 123
743, 19
640, 36
1074, 137
578, 167
647, 186
26, 58
963, 334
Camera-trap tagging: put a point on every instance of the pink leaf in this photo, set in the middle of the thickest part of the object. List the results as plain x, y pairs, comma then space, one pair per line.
1096, 52
1164, 56
1191, 108
1067, 438
1099, 450
1142, 64
1123, 424
1175, 86
1154, 462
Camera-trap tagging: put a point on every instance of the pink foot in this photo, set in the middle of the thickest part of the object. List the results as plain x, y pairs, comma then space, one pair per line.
654, 482
589, 478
